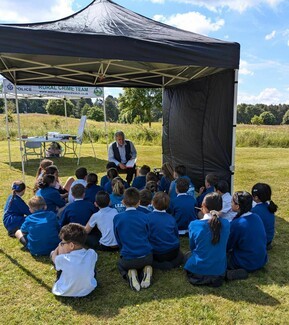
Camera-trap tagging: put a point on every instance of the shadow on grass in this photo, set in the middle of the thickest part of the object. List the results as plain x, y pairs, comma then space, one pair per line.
113, 294
66, 165
26, 271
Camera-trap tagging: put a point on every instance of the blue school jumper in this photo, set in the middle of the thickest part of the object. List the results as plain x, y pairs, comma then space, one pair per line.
131, 229
78, 211
42, 230
200, 198
183, 210
164, 185
206, 258
52, 198
14, 213
172, 191
268, 219
144, 209
108, 188
139, 182
104, 179
91, 192
247, 242
116, 202
164, 235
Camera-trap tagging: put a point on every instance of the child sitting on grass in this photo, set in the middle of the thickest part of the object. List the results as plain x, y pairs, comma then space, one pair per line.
117, 194
79, 211
246, 247
222, 188
92, 188
265, 208
139, 181
15, 209
39, 232
164, 236
183, 206
75, 265
103, 220
206, 263
145, 201
131, 229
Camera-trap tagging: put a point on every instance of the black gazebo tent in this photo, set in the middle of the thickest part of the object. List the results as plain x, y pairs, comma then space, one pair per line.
107, 45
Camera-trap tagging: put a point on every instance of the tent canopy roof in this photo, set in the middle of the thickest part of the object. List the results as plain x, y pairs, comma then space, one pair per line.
107, 45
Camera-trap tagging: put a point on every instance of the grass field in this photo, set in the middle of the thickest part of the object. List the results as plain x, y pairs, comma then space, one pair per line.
26, 281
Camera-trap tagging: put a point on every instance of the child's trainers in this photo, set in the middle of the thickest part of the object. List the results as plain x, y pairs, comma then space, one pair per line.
238, 274
147, 277
133, 279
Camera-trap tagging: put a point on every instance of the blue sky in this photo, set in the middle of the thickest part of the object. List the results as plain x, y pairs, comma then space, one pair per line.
260, 26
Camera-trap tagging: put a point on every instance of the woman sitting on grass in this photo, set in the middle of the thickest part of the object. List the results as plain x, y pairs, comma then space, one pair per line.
206, 263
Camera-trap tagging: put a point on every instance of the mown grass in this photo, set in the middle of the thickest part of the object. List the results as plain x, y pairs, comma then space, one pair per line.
262, 299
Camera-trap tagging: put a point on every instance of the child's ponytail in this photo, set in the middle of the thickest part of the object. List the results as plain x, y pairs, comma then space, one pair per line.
263, 192
213, 202
215, 226
17, 187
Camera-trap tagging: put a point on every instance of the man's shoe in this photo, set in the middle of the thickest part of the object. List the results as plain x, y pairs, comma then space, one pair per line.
133, 279
147, 277
238, 274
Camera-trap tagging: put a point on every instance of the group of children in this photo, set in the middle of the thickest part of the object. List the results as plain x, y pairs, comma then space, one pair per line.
228, 235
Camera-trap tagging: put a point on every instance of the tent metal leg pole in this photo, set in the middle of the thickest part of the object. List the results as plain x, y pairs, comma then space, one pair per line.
19, 129
65, 113
232, 167
104, 116
7, 129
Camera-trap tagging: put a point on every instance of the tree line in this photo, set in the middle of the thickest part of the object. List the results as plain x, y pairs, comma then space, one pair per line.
139, 105
142, 105
263, 114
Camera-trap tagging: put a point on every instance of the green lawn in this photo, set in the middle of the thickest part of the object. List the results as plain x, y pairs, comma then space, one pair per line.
26, 281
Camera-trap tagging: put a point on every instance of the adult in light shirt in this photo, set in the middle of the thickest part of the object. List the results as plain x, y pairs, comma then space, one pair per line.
122, 152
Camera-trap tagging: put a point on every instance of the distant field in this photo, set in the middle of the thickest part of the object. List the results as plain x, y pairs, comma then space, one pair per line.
26, 281
39, 124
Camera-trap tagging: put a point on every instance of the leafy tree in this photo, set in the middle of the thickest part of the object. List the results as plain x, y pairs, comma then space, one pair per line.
246, 112
257, 120
95, 113
268, 118
56, 107
286, 118
139, 102
111, 108
32, 106
79, 104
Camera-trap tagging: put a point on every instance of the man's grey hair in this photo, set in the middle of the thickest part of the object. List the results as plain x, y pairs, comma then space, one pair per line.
119, 134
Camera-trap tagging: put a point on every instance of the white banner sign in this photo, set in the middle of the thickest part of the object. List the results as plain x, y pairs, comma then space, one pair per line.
59, 91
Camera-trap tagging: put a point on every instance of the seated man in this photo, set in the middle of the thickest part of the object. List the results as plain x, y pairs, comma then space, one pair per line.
120, 152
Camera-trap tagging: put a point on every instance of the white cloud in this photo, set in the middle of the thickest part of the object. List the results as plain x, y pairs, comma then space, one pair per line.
267, 96
270, 36
19, 11
237, 5
245, 68
158, 1
192, 21
288, 42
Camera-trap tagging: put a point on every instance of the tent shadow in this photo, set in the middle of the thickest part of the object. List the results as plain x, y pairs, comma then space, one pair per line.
115, 294
70, 164
28, 272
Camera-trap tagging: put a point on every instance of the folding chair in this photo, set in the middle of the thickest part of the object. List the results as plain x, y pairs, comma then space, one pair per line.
32, 149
